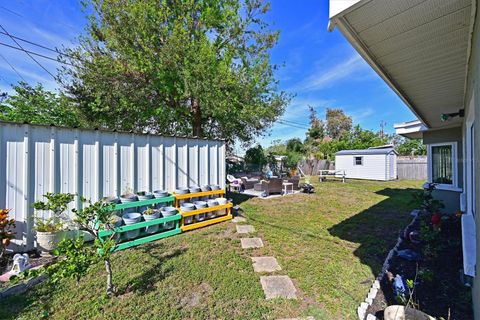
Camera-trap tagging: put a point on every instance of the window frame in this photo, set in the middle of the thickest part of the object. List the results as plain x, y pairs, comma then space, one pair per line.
355, 160
443, 186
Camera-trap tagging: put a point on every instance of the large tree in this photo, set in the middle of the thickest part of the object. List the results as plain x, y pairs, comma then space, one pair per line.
338, 123
195, 67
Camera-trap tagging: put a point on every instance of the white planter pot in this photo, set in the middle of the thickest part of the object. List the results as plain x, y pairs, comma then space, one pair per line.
404, 313
48, 241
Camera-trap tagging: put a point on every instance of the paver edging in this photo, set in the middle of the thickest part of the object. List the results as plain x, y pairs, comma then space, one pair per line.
372, 293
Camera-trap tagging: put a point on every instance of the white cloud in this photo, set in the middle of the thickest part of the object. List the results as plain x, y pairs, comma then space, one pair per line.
323, 78
360, 114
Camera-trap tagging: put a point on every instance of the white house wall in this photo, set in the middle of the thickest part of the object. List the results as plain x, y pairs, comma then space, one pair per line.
373, 168
95, 164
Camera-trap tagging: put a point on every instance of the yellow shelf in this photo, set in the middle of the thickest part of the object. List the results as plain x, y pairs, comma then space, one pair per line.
198, 194
205, 210
205, 223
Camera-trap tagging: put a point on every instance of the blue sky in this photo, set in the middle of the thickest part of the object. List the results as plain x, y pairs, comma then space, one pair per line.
321, 68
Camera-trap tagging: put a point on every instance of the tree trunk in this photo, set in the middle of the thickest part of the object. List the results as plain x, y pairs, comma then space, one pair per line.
109, 277
196, 118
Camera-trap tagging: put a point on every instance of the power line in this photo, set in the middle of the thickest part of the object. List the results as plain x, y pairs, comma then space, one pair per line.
35, 54
12, 67
11, 11
292, 125
39, 45
293, 122
36, 61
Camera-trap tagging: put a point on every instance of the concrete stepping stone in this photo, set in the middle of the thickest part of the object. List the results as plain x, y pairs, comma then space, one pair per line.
278, 287
265, 264
251, 243
238, 219
245, 228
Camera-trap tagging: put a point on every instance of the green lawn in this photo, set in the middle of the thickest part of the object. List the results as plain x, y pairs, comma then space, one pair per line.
331, 243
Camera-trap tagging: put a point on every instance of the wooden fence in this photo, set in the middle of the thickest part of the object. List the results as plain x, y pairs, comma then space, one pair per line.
412, 168
311, 167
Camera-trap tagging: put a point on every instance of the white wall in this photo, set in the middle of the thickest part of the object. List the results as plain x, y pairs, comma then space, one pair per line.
373, 168
35, 160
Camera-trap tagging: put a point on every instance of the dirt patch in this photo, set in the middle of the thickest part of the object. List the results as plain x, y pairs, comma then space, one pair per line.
196, 296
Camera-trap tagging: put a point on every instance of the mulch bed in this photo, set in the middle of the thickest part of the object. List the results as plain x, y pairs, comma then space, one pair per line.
438, 290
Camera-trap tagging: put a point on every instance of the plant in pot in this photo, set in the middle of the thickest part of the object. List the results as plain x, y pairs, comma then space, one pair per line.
151, 214
6, 230
51, 230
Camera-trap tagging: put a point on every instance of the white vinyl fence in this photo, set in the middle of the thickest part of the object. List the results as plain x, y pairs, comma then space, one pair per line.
35, 160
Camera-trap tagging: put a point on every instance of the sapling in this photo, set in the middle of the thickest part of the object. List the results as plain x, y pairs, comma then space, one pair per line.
57, 203
92, 218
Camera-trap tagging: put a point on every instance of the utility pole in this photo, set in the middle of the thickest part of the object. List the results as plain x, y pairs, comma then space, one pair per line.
382, 128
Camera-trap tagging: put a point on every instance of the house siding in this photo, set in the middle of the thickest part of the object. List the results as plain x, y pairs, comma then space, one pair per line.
473, 90
373, 168
451, 199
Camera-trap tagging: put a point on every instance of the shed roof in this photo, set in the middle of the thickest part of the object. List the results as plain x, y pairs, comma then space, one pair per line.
365, 151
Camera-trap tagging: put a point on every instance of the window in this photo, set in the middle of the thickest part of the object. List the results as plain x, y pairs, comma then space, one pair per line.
358, 161
442, 164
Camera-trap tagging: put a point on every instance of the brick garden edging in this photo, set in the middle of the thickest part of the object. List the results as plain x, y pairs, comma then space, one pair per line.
372, 293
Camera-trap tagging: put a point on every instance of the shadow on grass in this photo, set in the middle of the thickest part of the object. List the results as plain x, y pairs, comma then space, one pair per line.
145, 282
376, 229
239, 198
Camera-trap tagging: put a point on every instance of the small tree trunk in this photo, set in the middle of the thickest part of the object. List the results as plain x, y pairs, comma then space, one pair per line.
196, 118
109, 277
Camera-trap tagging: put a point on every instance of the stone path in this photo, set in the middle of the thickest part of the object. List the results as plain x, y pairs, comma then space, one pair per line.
278, 287
265, 264
251, 243
245, 228
274, 286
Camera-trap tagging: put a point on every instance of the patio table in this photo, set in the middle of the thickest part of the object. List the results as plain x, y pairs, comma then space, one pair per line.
285, 186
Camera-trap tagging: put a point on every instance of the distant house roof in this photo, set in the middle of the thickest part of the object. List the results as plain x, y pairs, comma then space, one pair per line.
366, 151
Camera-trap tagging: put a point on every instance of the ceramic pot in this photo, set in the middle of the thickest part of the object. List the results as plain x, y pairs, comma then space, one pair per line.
200, 205
150, 217
186, 207
127, 198
167, 212
129, 219
48, 241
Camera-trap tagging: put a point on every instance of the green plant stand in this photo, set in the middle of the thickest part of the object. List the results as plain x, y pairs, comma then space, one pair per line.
144, 237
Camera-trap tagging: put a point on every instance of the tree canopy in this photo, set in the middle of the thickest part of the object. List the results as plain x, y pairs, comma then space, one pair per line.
193, 67
39, 106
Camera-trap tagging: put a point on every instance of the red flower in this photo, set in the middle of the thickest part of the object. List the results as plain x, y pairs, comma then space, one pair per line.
436, 219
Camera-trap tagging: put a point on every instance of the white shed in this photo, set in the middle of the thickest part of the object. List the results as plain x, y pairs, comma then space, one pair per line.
370, 164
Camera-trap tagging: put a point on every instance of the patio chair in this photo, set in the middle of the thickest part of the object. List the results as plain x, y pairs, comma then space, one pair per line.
234, 183
249, 183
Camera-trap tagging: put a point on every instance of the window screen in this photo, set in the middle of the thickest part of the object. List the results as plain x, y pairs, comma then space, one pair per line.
442, 164
358, 161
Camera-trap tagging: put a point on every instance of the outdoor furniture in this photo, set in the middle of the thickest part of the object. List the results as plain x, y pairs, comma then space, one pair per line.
272, 186
323, 174
235, 187
285, 186
258, 186
295, 180
249, 183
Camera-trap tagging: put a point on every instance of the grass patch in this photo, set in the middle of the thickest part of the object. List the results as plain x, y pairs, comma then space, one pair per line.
331, 243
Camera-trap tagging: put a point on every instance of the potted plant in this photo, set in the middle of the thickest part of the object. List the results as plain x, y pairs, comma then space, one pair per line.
149, 215
50, 230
